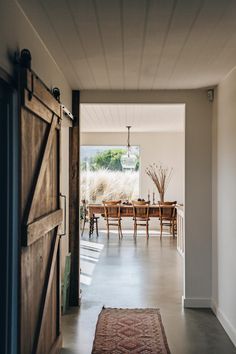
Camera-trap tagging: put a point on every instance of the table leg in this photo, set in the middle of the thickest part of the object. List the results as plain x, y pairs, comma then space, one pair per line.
91, 226
96, 221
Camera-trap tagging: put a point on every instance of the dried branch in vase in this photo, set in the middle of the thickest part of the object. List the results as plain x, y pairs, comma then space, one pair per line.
161, 177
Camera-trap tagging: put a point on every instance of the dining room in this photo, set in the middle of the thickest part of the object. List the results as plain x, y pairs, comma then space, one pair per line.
131, 179
128, 153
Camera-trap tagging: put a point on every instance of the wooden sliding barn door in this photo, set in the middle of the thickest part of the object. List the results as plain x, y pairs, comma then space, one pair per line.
40, 115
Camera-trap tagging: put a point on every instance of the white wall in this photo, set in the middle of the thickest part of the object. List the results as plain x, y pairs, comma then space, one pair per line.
224, 198
16, 33
198, 193
167, 148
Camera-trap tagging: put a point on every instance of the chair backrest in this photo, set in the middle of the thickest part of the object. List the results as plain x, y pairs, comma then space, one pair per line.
167, 210
141, 209
112, 209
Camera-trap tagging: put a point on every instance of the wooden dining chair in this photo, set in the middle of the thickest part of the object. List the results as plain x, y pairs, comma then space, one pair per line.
141, 215
167, 216
93, 220
112, 215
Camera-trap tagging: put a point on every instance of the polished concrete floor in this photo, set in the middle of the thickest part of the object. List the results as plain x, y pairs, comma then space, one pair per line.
139, 274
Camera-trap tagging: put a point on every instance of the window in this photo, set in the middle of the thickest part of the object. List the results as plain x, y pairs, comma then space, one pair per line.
102, 177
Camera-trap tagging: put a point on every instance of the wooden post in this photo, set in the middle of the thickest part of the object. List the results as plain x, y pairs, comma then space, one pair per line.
74, 202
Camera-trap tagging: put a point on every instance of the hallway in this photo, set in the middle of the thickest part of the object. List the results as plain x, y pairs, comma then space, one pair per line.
139, 274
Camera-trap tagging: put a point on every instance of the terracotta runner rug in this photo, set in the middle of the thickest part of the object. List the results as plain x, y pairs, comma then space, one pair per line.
133, 331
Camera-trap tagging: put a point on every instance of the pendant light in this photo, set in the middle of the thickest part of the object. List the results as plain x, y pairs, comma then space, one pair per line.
128, 160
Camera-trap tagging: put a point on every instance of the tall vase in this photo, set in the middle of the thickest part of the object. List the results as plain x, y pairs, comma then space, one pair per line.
161, 194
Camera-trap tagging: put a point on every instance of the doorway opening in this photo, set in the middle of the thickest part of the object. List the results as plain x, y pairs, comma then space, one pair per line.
157, 138
132, 271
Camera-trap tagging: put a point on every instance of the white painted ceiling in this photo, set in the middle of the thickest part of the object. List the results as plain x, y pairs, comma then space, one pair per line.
138, 44
142, 117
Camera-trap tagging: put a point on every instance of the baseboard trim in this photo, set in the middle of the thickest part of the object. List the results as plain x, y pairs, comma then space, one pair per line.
196, 302
226, 324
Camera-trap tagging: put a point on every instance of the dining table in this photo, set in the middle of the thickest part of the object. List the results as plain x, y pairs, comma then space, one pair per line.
126, 211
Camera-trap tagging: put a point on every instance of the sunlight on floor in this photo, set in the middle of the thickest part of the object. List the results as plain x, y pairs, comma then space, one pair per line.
87, 258
92, 245
85, 279
89, 254
88, 266
140, 232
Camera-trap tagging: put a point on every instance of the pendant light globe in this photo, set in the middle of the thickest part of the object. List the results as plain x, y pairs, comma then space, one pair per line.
128, 160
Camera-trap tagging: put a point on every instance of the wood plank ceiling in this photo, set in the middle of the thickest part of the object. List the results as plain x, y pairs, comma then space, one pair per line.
137, 44
142, 117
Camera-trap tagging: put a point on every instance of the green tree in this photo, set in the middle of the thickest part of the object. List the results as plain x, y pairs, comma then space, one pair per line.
108, 159
83, 165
